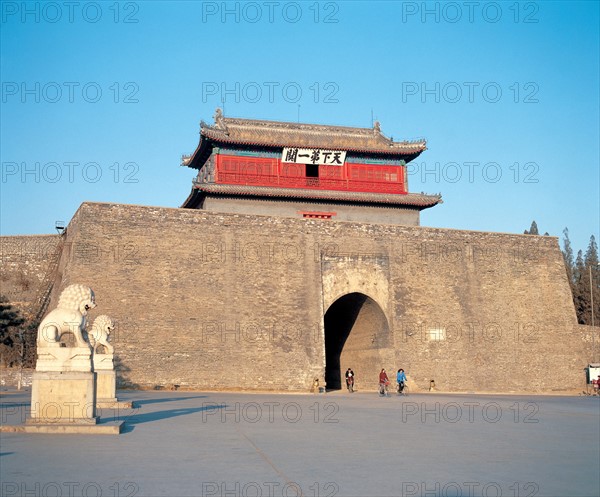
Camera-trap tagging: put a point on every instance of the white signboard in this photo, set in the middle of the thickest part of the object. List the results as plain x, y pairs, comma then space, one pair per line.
594, 371
313, 156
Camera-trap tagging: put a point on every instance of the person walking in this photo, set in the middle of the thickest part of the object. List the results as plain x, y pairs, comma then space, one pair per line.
384, 381
350, 380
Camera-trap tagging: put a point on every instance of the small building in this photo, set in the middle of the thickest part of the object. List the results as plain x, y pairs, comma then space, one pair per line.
251, 166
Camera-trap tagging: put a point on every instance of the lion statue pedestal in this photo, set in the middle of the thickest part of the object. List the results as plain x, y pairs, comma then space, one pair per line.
103, 362
106, 380
63, 389
64, 359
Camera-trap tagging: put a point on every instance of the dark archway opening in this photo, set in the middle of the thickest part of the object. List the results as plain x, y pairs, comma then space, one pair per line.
339, 320
356, 333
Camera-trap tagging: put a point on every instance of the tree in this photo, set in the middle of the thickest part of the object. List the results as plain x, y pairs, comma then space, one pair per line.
592, 270
9, 319
567, 253
584, 278
17, 337
591, 254
581, 290
27, 337
11, 328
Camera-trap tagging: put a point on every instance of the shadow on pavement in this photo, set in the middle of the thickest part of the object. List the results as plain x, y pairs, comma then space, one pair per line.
142, 402
7, 405
136, 419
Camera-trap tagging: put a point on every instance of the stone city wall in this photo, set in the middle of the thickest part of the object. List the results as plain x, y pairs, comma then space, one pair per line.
229, 301
24, 261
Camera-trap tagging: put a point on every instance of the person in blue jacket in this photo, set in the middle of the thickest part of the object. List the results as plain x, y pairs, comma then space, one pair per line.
401, 379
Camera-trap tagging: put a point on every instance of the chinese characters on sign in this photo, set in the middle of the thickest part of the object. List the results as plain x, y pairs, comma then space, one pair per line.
313, 156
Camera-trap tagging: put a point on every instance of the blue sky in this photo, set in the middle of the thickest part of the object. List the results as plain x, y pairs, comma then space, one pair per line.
99, 100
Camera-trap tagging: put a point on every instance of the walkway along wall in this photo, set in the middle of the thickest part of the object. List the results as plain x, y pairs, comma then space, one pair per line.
226, 301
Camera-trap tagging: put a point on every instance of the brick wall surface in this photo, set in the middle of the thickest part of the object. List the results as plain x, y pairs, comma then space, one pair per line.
229, 301
24, 261
10, 377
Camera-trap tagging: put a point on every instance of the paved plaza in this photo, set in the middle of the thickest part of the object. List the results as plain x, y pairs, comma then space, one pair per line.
337, 444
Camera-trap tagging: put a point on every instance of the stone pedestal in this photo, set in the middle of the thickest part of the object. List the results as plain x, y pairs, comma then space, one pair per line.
63, 387
64, 359
106, 388
106, 380
63, 397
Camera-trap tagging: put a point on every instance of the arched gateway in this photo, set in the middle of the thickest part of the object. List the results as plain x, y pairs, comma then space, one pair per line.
357, 336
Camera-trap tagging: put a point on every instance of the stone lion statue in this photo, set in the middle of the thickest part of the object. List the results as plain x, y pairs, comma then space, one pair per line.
101, 329
69, 316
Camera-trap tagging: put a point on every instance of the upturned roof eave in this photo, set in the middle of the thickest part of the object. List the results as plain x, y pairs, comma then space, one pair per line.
409, 200
280, 134
194, 161
385, 151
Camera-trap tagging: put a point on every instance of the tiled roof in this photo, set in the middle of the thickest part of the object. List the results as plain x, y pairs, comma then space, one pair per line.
419, 201
286, 134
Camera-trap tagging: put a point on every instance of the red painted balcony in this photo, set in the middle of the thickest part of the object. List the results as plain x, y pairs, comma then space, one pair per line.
257, 171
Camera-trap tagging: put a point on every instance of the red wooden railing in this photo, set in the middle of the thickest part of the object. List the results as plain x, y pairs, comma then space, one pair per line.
257, 171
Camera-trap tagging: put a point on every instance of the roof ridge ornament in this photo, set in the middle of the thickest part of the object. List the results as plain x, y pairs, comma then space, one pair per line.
219, 121
186, 159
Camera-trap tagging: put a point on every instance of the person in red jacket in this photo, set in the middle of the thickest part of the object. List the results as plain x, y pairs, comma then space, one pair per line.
384, 381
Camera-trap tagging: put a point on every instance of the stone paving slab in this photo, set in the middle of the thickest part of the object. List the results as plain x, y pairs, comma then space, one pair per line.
235, 444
